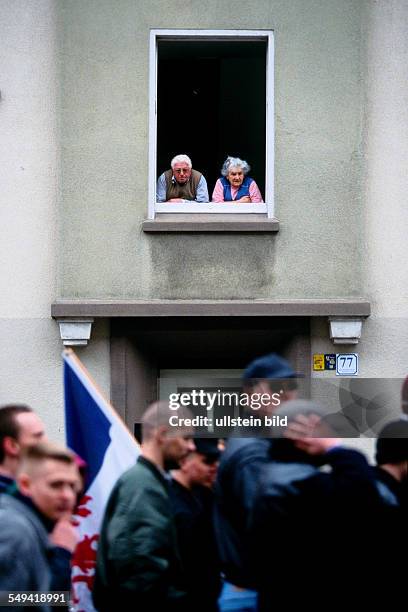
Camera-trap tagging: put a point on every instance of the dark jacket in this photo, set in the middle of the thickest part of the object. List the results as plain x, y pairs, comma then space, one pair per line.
5, 483
137, 561
390, 489
389, 540
307, 525
25, 549
193, 514
237, 479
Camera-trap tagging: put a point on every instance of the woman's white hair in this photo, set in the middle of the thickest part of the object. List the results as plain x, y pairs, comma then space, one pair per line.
234, 162
181, 159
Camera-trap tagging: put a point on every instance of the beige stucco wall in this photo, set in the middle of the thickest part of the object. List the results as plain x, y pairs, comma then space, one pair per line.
385, 267
30, 348
73, 159
104, 120
383, 348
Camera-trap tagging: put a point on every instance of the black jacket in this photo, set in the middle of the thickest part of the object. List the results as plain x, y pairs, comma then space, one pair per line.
307, 526
193, 514
237, 479
389, 540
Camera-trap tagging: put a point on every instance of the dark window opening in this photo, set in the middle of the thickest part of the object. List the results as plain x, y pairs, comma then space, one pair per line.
211, 102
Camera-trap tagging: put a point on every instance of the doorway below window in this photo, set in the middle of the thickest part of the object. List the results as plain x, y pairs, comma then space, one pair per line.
144, 349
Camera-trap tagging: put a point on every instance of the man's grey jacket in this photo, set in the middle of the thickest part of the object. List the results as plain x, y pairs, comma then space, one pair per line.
25, 549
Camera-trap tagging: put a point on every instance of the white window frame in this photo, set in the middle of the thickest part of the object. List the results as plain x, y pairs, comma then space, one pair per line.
266, 208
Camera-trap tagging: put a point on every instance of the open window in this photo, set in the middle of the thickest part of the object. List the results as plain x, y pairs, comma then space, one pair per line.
211, 95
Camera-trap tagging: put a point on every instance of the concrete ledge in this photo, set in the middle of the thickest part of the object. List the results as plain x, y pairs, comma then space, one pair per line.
210, 223
211, 308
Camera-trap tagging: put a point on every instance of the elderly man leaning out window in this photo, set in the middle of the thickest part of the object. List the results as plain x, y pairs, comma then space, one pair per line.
181, 183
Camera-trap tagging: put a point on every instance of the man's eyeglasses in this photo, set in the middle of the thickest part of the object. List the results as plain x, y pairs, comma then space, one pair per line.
180, 170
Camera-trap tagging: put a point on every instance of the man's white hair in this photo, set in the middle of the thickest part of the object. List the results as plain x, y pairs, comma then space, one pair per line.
181, 159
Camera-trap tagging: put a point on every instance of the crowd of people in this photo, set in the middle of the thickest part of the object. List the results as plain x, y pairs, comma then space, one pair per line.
253, 523
182, 184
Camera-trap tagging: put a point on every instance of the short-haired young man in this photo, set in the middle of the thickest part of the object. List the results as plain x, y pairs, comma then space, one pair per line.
20, 428
36, 536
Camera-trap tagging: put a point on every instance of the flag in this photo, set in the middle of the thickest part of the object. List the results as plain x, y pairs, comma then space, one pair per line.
97, 434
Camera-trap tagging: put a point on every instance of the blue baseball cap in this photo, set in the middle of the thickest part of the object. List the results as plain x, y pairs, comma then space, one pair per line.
269, 366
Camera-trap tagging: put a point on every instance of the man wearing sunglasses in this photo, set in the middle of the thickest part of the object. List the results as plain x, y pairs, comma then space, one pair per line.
192, 500
181, 183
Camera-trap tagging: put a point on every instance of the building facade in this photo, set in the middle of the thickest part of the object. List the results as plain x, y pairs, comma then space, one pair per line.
85, 132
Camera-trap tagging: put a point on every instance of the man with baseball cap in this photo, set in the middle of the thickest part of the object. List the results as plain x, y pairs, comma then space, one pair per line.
193, 499
237, 480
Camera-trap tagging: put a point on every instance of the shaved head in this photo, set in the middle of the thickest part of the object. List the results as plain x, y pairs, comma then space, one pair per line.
158, 415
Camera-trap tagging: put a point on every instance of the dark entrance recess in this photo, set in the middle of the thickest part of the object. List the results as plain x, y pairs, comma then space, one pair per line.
211, 102
141, 347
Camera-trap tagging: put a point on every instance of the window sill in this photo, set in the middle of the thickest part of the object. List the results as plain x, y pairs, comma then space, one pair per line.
190, 222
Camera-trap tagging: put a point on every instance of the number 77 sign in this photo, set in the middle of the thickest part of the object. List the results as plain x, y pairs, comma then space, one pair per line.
347, 364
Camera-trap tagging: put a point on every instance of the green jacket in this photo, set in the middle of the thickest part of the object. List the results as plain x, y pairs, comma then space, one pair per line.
138, 566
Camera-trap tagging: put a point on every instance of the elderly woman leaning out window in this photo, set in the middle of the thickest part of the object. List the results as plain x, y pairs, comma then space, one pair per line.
235, 185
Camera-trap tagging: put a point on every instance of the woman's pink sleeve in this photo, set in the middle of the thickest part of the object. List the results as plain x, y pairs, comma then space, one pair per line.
218, 193
255, 193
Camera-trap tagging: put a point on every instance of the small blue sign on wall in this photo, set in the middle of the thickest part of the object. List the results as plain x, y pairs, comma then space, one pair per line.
347, 364
329, 361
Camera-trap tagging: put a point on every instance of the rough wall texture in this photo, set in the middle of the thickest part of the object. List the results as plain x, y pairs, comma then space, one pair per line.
30, 352
104, 117
74, 121
385, 251
29, 171
384, 247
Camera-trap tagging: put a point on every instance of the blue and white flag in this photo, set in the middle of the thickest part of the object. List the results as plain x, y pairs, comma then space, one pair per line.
97, 434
